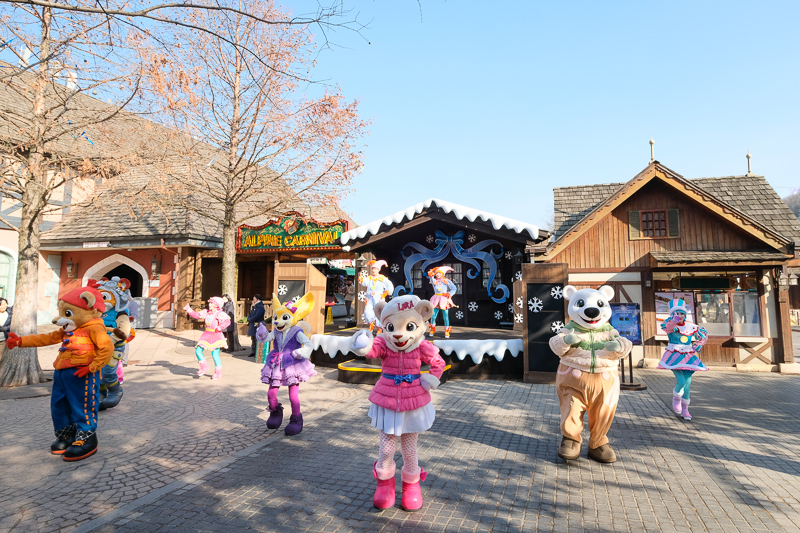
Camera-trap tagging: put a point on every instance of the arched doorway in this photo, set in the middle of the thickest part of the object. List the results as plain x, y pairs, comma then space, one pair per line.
125, 271
109, 264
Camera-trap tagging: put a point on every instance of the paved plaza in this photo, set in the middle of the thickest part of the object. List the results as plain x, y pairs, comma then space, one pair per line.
187, 454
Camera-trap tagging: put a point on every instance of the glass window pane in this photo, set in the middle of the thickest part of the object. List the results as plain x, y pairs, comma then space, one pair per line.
713, 313
746, 318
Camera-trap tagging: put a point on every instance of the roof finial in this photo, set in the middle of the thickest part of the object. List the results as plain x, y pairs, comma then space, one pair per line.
749, 173
652, 150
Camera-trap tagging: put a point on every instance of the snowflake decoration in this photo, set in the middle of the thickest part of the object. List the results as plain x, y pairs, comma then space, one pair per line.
535, 304
498, 315
395, 268
473, 306
556, 326
509, 255
459, 314
557, 292
282, 290
429, 239
363, 274
518, 275
472, 237
362, 296
518, 318
510, 308
520, 302
294, 300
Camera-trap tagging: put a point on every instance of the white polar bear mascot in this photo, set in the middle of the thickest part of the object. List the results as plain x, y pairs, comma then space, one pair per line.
586, 380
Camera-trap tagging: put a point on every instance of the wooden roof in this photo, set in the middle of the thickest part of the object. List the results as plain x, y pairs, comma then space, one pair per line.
748, 202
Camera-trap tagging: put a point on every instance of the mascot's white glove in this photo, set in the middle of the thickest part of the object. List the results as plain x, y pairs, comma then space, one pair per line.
361, 343
187, 308
613, 346
304, 352
572, 338
429, 382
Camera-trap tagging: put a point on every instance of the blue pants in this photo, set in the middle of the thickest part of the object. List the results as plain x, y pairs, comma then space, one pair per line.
683, 382
198, 351
445, 315
108, 374
74, 401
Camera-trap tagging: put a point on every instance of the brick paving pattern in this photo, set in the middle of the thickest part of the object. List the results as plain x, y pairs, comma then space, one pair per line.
182, 454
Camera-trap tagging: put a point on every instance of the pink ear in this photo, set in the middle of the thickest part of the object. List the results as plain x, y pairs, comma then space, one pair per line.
125, 284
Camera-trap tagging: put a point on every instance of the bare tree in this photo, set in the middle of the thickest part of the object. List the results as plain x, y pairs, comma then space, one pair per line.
71, 79
275, 144
793, 201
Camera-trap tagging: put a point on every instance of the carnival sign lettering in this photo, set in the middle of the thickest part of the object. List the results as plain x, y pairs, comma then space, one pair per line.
290, 233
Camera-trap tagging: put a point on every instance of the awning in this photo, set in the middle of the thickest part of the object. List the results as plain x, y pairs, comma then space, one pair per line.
664, 258
346, 271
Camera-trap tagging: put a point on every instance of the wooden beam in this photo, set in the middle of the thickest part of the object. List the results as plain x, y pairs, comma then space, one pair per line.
756, 352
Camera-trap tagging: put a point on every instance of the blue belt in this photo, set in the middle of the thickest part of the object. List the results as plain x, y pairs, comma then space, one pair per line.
398, 378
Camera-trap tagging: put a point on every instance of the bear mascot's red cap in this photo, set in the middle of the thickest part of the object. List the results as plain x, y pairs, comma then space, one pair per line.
73, 297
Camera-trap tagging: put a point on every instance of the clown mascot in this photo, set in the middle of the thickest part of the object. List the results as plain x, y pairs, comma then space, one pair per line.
444, 289
400, 403
117, 298
288, 362
213, 337
85, 349
378, 287
685, 342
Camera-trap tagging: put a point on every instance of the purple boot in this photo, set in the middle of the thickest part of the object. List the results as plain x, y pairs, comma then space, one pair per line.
275, 417
295, 425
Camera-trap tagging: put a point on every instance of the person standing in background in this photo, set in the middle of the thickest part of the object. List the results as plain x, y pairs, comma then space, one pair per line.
349, 296
255, 318
5, 323
232, 332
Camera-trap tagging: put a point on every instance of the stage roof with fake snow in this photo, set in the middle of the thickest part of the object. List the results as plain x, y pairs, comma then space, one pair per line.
459, 211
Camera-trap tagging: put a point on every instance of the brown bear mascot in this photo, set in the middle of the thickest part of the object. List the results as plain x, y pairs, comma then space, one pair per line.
85, 349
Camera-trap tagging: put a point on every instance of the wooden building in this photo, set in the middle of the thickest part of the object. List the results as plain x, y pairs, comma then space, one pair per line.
722, 244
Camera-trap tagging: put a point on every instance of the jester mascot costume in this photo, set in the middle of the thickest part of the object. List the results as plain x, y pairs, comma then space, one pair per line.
85, 349
444, 289
288, 362
378, 287
117, 298
685, 342
213, 337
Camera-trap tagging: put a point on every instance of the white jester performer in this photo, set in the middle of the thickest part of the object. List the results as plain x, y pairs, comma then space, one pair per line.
378, 287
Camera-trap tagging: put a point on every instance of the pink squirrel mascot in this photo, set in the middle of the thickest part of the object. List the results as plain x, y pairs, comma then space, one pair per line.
401, 402
288, 361
213, 337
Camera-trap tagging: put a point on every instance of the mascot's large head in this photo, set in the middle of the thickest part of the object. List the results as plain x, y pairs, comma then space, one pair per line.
589, 308
79, 306
284, 316
404, 321
116, 293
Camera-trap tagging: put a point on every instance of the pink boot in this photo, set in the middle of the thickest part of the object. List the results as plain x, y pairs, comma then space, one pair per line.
217, 373
676, 402
120, 372
685, 410
412, 494
384, 492
203, 367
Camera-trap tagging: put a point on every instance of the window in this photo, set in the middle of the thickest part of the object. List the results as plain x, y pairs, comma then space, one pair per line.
654, 224
416, 276
713, 313
746, 321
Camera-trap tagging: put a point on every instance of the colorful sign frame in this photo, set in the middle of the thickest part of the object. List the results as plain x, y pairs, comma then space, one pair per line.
290, 232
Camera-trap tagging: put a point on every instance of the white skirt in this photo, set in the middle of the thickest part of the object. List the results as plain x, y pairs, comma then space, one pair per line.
399, 422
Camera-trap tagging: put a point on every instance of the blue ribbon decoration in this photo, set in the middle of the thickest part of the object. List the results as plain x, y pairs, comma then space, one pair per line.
446, 245
398, 378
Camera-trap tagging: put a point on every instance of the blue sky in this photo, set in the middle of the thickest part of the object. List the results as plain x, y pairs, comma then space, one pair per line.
492, 104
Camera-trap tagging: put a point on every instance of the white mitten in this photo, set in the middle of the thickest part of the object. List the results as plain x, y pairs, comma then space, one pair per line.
429, 382
361, 343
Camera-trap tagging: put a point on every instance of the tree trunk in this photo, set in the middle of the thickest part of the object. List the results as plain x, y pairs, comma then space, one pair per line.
21, 365
229, 257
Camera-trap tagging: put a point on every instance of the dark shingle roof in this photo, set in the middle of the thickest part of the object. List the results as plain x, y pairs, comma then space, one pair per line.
751, 195
689, 256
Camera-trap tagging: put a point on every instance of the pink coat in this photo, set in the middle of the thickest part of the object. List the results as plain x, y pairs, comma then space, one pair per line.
406, 396
216, 323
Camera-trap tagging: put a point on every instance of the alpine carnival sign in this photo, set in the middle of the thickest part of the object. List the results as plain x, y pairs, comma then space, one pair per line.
290, 232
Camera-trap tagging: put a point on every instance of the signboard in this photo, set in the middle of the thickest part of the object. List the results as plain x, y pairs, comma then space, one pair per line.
290, 232
317, 260
96, 244
625, 319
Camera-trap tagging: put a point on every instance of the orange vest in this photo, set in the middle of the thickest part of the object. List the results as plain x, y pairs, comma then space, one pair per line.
87, 345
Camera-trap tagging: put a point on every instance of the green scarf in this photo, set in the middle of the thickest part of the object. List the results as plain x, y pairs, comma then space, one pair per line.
590, 345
